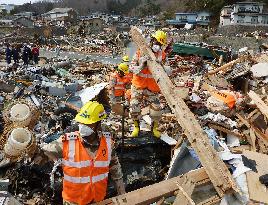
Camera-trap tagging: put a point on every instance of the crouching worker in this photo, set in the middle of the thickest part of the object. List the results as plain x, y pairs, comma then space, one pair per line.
87, 158
119, 82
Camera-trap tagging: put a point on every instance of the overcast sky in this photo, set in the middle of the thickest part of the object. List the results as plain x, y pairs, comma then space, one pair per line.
18, 2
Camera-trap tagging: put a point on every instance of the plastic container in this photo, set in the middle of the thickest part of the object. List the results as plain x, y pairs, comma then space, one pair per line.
20, 114
17, 142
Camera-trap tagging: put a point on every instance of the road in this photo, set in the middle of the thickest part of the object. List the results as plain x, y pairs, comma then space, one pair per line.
104, 58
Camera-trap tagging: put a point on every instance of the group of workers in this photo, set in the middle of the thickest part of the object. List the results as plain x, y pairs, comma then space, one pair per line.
87, 153
28, 53
139, 79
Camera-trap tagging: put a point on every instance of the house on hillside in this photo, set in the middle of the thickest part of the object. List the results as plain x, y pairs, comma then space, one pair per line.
6, 7
61, 15
244, 13
225, 16
6, 22
27, 14
23, 22
198, 19
114, 19
105, 17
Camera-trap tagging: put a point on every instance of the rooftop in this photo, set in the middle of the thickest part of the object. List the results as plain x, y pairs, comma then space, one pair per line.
248, 2
186, 13
59, 10
23, 17
251, 14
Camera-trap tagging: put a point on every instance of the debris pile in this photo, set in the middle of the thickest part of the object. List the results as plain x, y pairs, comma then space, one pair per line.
214, 126
104, 43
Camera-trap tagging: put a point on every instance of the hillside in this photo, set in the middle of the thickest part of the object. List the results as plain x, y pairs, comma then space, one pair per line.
132, 7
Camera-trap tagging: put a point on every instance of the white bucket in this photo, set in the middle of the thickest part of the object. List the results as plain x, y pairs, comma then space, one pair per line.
18, 141
20, 114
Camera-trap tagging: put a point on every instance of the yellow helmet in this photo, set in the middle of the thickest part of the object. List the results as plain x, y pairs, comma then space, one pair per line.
125, 59
123, 67
91, 113
160, 36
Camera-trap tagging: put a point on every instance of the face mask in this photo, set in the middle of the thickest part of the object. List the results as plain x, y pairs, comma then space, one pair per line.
85, 130
156, 48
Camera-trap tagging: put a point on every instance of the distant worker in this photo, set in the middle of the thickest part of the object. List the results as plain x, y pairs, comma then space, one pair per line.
88, 156
15, 54
57, 51
125, 59
144, 85
120, 81
35, 52
30, 53
8, 53
25, 54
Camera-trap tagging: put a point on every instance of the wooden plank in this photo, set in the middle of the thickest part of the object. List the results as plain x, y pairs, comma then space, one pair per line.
210, 201
215, 167
240, 149
155, 192
253, 139
254, 129
184, 193
259, 102
183, 198
161, 201
224, 67
225, 130
255, 111
257, 191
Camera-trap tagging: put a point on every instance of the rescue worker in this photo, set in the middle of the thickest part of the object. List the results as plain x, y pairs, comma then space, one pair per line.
8, 53
87, 158
125, 59
35, 53
119, 82
144, 85
15, 54
25, 54
30, 47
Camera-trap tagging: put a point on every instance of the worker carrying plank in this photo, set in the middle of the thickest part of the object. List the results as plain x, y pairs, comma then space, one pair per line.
144, 85
87, 158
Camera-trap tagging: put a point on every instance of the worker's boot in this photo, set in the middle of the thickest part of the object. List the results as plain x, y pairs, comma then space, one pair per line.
136, 131
156, 133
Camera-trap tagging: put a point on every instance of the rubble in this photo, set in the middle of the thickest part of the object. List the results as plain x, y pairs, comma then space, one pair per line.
214, 123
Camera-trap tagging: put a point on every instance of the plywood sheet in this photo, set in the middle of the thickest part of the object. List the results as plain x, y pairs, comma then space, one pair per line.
257, 191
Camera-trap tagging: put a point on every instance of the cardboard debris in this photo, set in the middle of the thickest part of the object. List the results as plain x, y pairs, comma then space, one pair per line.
257, 191
259, 70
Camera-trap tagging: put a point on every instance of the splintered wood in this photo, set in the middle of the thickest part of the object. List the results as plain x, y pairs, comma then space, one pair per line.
225, 67
214, 166
259, 102
167, 188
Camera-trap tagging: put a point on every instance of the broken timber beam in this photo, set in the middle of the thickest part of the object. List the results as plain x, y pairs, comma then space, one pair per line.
152, 193
224, 67
259, 102
184, 193
225, 130
214, 166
